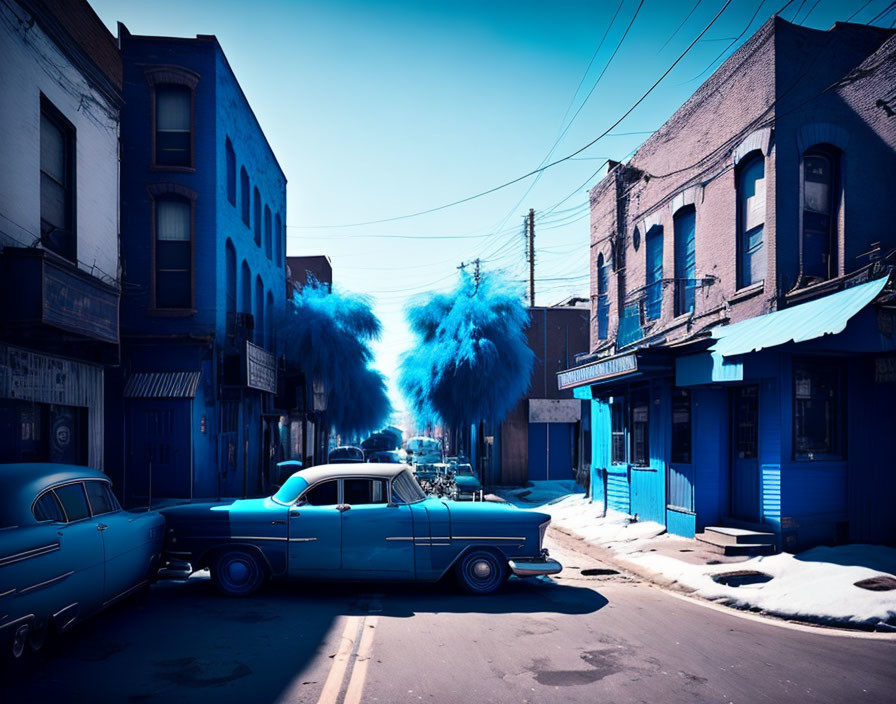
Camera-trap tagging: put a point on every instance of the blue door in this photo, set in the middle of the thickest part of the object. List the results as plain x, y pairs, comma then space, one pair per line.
315, 531
538, 451
745, 453
159, 449
560, 437
377, 538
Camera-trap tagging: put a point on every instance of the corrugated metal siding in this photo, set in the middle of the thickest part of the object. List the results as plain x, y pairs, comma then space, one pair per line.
162, 385
618, 490
600, 448
771, 495
31, 376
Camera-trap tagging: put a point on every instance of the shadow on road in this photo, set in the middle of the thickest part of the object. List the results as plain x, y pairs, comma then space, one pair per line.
188, 644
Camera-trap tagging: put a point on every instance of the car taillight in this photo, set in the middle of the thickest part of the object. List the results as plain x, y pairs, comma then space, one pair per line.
542, 529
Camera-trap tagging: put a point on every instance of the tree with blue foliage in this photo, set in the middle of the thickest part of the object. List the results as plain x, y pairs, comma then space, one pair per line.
327, 336
471, 362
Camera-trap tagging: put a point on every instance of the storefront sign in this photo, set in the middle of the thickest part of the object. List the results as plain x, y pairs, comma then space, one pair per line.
261, 369
551, 410
75, 304
598, 371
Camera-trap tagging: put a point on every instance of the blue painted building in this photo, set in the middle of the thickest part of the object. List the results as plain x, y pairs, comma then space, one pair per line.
203, 212
742, 370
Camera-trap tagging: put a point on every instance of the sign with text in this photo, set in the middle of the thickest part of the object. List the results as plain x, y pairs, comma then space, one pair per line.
261, 369
598, 371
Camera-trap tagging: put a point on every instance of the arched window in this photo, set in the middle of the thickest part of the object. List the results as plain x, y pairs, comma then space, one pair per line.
278, 240
256, 198
230, 283
269, 319
172, 116
268, 249
603, 298
259, 312
654, 253
244, 194
245, 288
685, 221
230, 158
751, 220
818, 236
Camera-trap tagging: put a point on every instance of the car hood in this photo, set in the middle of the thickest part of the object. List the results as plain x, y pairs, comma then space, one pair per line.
467, 482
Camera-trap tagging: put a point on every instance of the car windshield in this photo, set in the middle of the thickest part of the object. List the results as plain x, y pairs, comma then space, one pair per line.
290, 490
405, 488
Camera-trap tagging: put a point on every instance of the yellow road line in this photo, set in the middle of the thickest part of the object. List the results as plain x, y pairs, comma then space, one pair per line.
333, 685
359, 671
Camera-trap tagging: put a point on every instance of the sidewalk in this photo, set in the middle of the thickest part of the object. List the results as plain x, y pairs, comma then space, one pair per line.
852, 586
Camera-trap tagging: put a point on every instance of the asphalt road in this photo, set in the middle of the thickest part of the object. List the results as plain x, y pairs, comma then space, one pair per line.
583, 638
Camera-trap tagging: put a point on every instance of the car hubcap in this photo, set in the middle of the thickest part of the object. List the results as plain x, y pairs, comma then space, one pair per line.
238, 572
482, 569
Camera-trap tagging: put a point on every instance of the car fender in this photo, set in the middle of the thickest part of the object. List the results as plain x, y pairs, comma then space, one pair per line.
475, 546
209, 554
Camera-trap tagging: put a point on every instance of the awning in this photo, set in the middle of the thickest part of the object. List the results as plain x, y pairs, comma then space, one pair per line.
162, 385
807, 321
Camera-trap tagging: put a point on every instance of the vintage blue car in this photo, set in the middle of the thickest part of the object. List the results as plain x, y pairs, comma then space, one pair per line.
466, 481
355, 522
67, 549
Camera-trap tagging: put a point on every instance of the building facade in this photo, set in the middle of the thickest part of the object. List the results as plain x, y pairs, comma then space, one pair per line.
742, 331
546, 435
60, 96
203, 203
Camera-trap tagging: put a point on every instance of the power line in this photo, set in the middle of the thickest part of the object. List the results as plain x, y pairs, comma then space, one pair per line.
546, 166
678, 29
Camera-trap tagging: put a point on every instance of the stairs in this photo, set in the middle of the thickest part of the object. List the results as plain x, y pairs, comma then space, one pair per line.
738, 541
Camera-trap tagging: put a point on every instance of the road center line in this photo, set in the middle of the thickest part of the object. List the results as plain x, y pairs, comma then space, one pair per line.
359, 671
333, 685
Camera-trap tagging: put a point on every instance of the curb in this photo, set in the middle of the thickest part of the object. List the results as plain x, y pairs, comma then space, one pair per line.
672, 586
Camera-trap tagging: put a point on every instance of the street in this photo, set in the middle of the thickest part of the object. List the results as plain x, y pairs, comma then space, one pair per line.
587, 637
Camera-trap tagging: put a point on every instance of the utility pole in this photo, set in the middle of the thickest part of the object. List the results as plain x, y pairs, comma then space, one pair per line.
531, 253
477, 275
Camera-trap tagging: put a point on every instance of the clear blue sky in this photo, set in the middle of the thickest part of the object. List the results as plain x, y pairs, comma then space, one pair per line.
378, 109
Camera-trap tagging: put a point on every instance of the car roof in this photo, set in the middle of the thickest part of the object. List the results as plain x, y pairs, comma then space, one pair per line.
21, 482
342, 471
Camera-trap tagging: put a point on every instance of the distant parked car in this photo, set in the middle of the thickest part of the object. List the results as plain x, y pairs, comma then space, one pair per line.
67, 549
346, 453
357, 522
466, 481
423, 449
388, 457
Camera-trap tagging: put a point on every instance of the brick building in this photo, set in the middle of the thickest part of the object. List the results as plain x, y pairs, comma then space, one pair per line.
742, 345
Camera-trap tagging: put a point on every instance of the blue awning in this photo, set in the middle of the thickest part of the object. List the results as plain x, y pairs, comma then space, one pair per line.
162, 385
807, 321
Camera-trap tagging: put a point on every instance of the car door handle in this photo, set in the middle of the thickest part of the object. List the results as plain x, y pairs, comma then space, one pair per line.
101, 526
343, 507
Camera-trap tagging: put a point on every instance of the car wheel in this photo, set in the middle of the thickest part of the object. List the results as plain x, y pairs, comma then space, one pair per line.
20, 640
481, 572
238, 572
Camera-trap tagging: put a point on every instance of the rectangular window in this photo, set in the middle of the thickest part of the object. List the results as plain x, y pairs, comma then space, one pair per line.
751, 220
640, 426
685, 260
257, 214
603, 298
818, 410
174, 132
681, 426
174, 253
57, 183
617, 432
244, 195
268, 245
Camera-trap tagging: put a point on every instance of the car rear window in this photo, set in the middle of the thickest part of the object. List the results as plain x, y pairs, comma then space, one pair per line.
73, 501
48, 508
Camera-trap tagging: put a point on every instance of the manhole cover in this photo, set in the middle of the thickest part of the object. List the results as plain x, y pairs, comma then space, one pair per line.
598, 572
881, 583
741, 578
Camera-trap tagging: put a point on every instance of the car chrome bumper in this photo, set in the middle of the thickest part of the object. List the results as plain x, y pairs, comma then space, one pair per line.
175, 569
533, 568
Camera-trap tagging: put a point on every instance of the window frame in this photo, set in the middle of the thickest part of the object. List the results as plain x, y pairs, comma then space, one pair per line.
603, 297
754, 157
634, 459
620, 416
256, 215
230, 171
673, 457
680, 266
653, 302
49, 111
245, 197
162, 191
839, 452
177, 76
834, 155
268, 236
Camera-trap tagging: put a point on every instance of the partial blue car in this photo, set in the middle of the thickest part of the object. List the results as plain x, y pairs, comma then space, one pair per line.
467, 483
67, 550
355, 522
